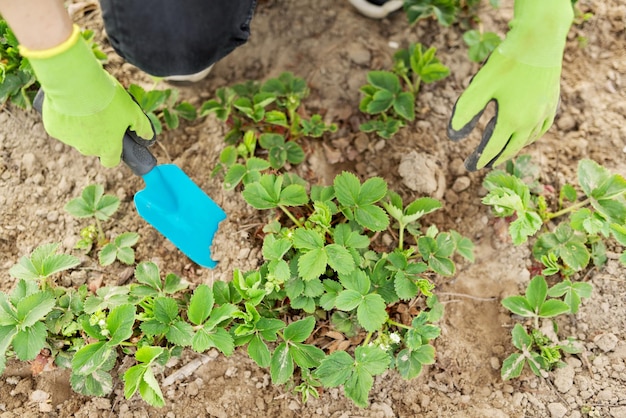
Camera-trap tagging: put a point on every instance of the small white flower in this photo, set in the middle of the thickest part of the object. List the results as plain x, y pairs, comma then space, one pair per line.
394, 337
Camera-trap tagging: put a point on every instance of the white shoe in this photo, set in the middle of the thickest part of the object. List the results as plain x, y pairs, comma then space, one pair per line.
376, 9
191, 78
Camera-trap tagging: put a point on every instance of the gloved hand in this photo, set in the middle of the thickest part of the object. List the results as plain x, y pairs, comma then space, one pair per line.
522, 76
84, 106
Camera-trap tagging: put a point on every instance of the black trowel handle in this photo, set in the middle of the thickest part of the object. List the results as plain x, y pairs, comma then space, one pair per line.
136, 156
135, 153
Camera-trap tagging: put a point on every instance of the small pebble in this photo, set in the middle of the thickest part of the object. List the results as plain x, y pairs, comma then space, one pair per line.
461, 183
495, 363
564, 378
29, 162
358, 54
606, 342
557, 410
39, 396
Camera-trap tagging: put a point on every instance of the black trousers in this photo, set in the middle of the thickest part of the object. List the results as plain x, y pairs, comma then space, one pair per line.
167, 37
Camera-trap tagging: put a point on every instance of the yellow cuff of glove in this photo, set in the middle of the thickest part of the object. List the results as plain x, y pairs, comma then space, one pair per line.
56, 50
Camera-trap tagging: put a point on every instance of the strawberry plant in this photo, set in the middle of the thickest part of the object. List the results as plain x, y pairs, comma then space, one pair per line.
595, 216
391, 95
592, 221
23, 312
264, 125
480, 43
442, 10
162, 107
43, 263
93, 203
465, 13
321, 277
324, 279
319, 261
536, 349
274, 106
446, 12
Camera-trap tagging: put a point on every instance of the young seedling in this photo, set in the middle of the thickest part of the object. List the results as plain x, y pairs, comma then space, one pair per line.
383, 96
120, 249
567, 249
390, 100
270, 107
535, 304
23, 312
163, 107
480, 43
536, 349
593, 220
93, 203
265, 123
446, 12
43, 263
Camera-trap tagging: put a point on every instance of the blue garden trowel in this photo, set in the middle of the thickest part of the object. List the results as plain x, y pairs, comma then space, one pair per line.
171, 202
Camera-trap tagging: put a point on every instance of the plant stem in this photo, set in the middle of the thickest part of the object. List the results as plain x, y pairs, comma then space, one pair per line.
401, 237
101, 236
290, 215
367, 338
416, 86
45, 284
398, 324
408, 82
568, 209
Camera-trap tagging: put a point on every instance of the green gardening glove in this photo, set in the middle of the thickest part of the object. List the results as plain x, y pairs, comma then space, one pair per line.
522, 76
84, 106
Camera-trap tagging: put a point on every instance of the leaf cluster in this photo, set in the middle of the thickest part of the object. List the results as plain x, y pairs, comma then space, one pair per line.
322, 270
319, 261
593, 217
391, 95
265, 121
163, 107
480, 44
17, 80
22, 312
100, 207
446, 12
155, 318
273, 106
535, 349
